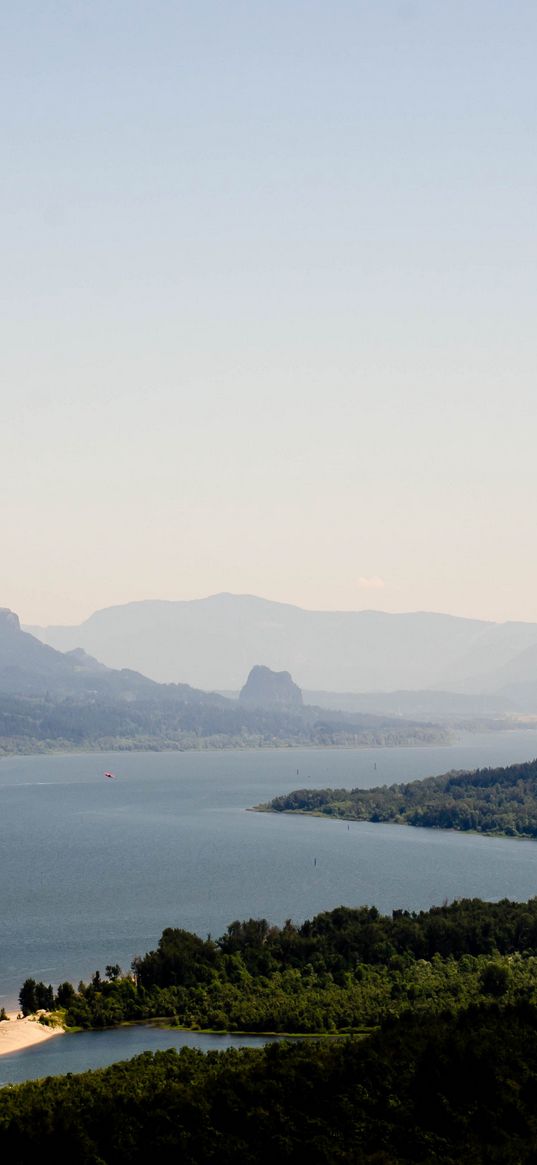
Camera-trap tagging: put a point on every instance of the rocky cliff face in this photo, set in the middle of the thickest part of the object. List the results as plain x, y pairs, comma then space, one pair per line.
9, 621
264, 686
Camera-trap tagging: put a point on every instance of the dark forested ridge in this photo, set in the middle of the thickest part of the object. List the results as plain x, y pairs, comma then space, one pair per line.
458, 1089
498, 801
440, 1063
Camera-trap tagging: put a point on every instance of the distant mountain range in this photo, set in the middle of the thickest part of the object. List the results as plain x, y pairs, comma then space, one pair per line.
30, 668
54, 700
214, 642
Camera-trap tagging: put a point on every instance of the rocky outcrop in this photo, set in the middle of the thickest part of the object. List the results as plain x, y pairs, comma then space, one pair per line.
85, 661
9, 620
266, 687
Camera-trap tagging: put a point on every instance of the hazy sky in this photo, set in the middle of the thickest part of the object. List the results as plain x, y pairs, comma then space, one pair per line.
268, 298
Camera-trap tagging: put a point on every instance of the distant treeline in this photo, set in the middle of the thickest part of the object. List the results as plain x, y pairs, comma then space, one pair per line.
500, 801
345, 970
42, 723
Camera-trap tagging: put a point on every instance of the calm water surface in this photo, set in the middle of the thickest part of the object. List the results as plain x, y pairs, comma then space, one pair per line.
80, 1051
94, 869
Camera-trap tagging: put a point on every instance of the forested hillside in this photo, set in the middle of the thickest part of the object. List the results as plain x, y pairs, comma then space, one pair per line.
439, 1063
458, 1089
346, 969
170, 719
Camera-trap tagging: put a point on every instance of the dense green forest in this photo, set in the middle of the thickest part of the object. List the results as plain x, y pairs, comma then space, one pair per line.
459, 1088
344, 970
41, 723
439, 1063
499, 801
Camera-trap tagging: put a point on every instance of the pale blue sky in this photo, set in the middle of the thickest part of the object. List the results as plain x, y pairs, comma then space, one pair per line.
268, 291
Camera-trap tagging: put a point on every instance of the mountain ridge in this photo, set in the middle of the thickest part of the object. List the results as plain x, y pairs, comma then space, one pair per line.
213, 642
50, 700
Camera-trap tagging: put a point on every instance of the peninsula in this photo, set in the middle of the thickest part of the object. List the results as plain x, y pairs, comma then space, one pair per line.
500, 801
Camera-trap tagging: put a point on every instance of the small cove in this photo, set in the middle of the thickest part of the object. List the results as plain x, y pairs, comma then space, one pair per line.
81, 1051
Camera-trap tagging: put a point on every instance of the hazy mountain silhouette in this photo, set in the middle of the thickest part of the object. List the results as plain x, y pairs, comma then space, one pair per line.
266, 687
30, 667
52, 700
426, 704
214, 642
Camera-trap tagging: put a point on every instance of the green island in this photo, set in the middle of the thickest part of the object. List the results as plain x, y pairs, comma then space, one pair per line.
498, 801
438, 1010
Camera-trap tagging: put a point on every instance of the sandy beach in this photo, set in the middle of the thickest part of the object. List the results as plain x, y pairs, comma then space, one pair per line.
17, 1034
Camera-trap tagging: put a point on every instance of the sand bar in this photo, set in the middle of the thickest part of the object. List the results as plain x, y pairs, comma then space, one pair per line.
17, 1034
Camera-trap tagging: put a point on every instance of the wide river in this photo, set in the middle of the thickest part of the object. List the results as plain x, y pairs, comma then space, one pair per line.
92, 869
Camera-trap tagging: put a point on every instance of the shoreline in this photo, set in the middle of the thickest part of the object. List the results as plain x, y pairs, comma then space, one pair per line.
407, 824
18, 1034
457, 736
284, 747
